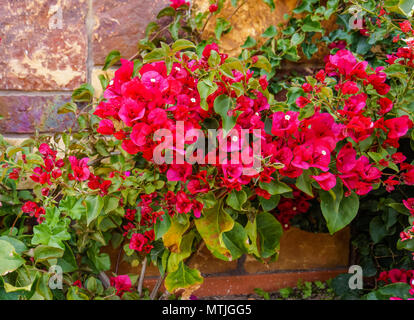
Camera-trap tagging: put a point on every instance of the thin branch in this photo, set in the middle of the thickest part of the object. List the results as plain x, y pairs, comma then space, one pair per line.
157, 286
104, 279
142, 276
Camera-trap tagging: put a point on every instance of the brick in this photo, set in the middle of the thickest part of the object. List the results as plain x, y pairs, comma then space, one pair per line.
301, 250
26, 114
119, 25
208, 264
38, 51
245, 284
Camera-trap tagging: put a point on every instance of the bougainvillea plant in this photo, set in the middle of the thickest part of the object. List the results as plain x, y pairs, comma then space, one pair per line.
188, 147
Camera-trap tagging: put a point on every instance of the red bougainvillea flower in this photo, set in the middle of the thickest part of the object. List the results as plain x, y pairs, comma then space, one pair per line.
80, 169
106, 127
385, 104
398, 127
213, 8
326, 180
285, 123
33, 209
121, 283
409, 204
302, 102
405, 26
177, 3
14, 175
77, 283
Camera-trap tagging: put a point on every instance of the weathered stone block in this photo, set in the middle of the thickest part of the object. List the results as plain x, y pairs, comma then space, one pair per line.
119, 25
44, 44
26, 114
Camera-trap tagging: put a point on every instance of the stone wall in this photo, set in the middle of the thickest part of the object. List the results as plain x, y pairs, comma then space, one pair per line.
50, 47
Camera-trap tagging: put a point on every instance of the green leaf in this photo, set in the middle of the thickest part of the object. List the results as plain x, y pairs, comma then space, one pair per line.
206, 88
84, 93
311, 26
269, 204
161, 226
166, 12
249, 43
211, 226
9, 259
175, 27
222, 106
270, 3
236, 241
53, 230
236, 199
185, 251
263, 63
173, 237
400, 208
43, 252
75, 293
69, 107
151, 27
182, 44
377, 229
398, 289
222, 26
68, 261
270, 32
183, 278
112, 58
297, 38
305, 6
337, 210
18, 245
407, 245
275, 187
94, 206
304, 183
155, 55
73, 207
269, 231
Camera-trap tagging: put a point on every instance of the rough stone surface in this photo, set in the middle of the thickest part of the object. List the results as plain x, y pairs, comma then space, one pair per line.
96, 72
301, 250
252, 19
38, 50
26, 114
119, 25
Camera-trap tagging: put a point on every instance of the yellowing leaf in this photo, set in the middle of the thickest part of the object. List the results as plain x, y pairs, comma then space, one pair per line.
211, 226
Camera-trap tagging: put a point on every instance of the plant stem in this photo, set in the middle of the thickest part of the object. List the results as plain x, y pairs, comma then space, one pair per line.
104, 279
157, 286
14, 222
141, 278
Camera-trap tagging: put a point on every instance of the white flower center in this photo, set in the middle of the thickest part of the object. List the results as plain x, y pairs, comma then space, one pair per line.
177, 69
257, 113
153, 80
323, 152
193, 100
111, 82
294, 208
235, 139
287, 117
286, 225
